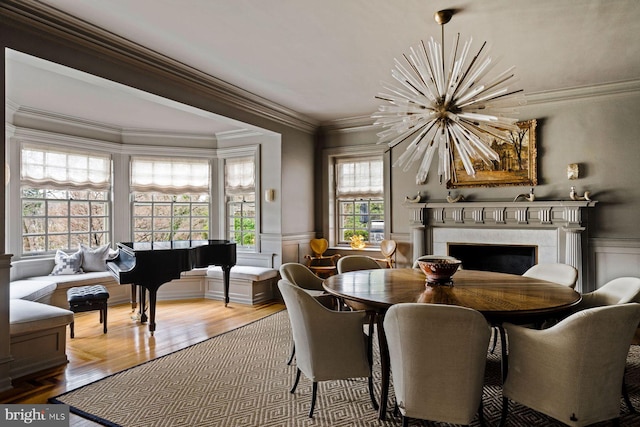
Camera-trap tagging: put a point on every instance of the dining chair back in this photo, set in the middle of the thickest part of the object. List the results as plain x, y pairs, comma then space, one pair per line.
574, 370
300, 275
438, 355
356, 262
388, 249
330, 345
563, 274
617, 291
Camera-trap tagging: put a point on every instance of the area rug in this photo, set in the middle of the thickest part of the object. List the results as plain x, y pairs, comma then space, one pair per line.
241, 378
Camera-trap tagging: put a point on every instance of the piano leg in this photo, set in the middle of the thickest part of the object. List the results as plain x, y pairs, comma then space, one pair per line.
152, 310
134, 298
226, 269
143, 304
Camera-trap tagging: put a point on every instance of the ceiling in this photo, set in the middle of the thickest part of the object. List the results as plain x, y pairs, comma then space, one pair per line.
326, 59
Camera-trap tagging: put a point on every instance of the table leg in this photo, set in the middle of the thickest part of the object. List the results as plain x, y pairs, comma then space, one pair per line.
385, 367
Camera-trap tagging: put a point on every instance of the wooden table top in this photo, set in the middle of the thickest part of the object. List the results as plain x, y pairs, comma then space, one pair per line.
498, 296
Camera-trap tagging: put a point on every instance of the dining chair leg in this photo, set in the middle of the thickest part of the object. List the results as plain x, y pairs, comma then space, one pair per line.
372, 394
505, 410
625, 394
295, 383
293, 353
314, 394
494, 336
405, 421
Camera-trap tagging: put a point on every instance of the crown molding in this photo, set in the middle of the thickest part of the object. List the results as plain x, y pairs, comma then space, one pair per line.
116, 133
584, 92
362, 123
60, 25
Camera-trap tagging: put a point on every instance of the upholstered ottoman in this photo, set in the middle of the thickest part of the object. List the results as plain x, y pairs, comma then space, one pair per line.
89, 298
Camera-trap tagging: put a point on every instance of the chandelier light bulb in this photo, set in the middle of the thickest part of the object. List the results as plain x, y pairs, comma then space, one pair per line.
456, 109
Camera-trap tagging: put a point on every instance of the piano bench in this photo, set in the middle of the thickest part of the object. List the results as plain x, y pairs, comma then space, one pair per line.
88, 298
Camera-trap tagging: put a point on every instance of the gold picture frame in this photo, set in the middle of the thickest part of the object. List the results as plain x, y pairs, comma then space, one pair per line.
517, 165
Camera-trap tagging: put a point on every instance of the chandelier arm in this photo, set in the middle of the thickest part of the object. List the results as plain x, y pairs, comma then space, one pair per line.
451, 67
415, 69
466, 73
462, 152
499, 96
431, 72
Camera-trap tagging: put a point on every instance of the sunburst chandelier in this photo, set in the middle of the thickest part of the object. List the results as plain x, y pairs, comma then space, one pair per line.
440, 109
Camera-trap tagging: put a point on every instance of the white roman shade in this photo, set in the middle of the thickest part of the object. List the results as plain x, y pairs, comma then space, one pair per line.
63, 169
361, 177
170, 175
239, 175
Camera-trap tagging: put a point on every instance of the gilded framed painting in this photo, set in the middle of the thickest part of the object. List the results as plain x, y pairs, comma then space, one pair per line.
517, 164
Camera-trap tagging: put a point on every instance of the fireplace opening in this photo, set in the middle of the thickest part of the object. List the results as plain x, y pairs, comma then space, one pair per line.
514, 259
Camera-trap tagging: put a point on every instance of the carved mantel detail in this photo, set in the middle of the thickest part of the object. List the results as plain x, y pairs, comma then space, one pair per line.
567, 219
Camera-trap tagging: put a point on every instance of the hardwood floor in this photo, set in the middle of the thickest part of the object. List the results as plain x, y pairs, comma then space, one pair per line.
94, 355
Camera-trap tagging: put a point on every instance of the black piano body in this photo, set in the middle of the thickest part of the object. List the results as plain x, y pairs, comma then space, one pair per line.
150, 265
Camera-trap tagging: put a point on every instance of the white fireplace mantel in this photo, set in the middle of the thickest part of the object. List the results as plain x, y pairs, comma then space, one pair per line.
558, 227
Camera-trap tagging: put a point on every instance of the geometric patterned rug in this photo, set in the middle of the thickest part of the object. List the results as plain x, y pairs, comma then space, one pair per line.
241, 378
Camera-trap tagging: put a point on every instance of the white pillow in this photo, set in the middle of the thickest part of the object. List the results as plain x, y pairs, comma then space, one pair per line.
67, 263
94, 259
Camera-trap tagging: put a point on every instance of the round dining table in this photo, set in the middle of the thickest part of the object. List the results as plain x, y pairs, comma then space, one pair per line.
500, 297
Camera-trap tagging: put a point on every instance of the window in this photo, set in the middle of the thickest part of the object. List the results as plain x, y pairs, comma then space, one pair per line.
64, 199
240, 192
359, 199
170, 199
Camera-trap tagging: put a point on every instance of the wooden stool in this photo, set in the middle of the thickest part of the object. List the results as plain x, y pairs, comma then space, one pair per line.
89, 298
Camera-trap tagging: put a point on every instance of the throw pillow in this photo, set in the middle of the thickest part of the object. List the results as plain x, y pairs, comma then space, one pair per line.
67, 263
94, 259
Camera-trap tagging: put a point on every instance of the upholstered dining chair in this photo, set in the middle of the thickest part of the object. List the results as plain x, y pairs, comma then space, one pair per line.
301, 276
574, 370
330, 345
563, 274
356, 262
616, 291
438, 355
388, 249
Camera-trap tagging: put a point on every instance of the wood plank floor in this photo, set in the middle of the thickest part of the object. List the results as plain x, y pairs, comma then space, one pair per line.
94, 355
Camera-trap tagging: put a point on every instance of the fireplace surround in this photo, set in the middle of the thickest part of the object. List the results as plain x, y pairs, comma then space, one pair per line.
558, 230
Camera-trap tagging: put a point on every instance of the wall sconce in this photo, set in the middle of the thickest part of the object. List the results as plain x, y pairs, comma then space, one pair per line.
573, 171
270, 195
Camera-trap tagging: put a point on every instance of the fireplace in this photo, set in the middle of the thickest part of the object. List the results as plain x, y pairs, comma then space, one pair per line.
515, 259
553, 231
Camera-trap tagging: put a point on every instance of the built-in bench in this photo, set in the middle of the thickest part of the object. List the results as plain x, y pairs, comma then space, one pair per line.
38, 336
247, 284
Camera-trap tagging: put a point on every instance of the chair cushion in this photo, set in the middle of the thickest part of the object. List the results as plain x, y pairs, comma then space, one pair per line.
29, 316
245, 272
83, 279
31, 290
87, 293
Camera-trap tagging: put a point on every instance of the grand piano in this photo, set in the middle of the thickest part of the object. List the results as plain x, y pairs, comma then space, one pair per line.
150, 265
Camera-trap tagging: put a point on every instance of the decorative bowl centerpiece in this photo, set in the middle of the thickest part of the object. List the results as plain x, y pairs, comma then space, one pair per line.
439, 269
